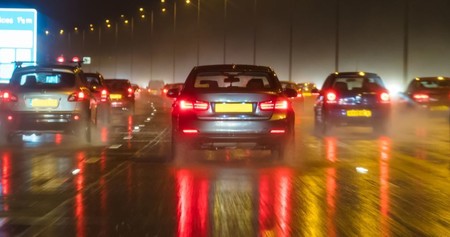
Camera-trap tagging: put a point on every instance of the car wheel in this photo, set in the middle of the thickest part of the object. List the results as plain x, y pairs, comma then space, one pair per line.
84, 131
286, 150
180, 150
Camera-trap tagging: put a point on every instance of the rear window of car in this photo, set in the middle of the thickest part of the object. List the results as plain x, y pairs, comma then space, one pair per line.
44, 80
225, 80
117, 84
357, 83
430, 84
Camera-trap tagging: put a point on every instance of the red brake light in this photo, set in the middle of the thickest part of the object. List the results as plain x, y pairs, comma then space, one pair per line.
421, 97
331, 97
104, 95
76, 96
7, 97
197, 105
282, 104
270, 105
267, 105
384, 97
190, 131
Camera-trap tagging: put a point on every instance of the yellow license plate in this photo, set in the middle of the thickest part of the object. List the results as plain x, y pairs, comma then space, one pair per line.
38, 103
359, 113
115, 96
234, 108
439, 108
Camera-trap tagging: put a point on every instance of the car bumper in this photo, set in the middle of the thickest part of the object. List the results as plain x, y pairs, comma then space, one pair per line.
356, 115
32, 122
226, 134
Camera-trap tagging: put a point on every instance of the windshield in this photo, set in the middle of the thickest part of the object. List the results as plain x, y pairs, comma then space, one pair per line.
44, 80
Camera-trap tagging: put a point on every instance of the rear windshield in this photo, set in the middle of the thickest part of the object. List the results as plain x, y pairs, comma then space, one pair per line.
44, 80
117, 84
431, 84
357, 84
244, 80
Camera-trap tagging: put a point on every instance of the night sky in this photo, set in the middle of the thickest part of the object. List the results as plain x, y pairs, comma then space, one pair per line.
371, 35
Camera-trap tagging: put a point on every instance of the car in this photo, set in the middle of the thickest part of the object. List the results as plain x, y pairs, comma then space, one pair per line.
121, 94
431, 94
352, 99
169, 86
309, 89
99, 90
48, 99
293, 85
154, 87
232, 106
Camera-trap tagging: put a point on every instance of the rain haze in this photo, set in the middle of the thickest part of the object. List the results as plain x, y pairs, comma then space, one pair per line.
302, 40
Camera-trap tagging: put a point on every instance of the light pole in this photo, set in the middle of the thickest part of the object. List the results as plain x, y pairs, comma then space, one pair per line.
224, 30
255, 23
405, 43
336, 56
198, 32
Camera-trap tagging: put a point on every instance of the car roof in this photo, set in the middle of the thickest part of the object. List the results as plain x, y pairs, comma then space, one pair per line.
47, 67
356, 73
431, 78
232, 67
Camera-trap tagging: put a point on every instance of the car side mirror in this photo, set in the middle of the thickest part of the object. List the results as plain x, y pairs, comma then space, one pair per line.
173, 93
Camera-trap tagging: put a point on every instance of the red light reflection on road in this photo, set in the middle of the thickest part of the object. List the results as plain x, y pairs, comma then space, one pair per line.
385, 150
282, 205
330, 148
130, 130
192, 205
272, 193
58, 138
6, 172
331, 152
274, 213
104, 134
79, 204
331, 201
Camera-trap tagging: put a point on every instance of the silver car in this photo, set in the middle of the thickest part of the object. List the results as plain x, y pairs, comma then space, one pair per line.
232, 106
48, 99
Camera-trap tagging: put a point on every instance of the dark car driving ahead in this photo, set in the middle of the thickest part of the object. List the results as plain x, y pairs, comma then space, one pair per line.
431, 94
232, 106
352, 99
121, 94
98, 88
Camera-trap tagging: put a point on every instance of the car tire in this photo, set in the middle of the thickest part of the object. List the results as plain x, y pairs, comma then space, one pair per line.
83, 131
180, 150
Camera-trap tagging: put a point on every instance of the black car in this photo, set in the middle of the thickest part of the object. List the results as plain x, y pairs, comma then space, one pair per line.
99, 90
121, 94
352, 99
232, 106
48, 99
431, 94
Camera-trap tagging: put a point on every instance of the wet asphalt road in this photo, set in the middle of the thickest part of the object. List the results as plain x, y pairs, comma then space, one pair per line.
351, 183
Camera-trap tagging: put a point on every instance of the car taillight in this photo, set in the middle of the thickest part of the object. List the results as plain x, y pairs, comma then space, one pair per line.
130, 92
421, 97
165, 91
271, 105
77, 96
331, 97
7, 97
197, 105
384, 97
104, 95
